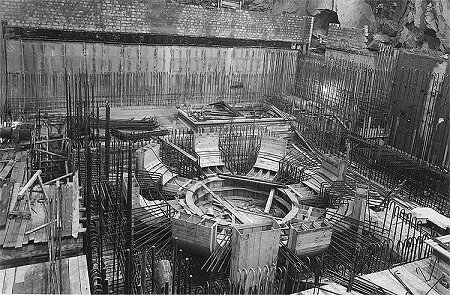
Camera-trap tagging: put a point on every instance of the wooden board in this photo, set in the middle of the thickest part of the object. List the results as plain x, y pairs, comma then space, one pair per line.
254, 246
207, 148
8, 283
18, 171
84, 276
14, 196
13, 231
39, 235
329, 289
227, 205
270, 154
20, 235
65, 276
4, 203
194, 232
2, 279
33, 278
29, 276
74, 276
33, 253
5, 156
9, 166
19, 281
76, 210
309, 238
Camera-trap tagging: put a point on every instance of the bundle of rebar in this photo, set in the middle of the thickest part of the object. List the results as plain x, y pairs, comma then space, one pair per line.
293, 258
147, 124
358, 284
136, 136
220, 257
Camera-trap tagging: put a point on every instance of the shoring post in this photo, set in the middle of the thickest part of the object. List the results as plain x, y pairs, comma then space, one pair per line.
68, 105
129, 198
153, 268
186, 277
180, 261
174, 262
129, 235
353, 272
107, 141
104, 280
128, 274
88, 197
143, 270
190, 285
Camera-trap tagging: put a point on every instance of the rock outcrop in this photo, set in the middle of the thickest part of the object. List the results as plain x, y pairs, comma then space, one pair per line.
413, 24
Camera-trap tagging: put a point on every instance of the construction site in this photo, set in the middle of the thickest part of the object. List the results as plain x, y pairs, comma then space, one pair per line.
207, 149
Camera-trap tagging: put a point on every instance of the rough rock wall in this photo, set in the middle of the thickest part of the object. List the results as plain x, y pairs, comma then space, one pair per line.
423, 24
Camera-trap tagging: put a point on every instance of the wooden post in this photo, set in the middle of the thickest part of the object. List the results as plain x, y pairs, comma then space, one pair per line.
143, 270
129, 198
343, 164
3, 69
153, 268
128, 270
88, 196
107, 141
359, 205
269, 201
129, 235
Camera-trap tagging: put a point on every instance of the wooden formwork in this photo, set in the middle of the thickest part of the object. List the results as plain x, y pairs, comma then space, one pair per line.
439, 266
194, 233
135, 191
254, 246
309, 238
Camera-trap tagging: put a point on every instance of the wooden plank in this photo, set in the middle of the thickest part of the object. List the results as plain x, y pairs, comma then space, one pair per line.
64, 202
2, 279
36, 278
18, 172
5, 156
84, 276
180, 150
30, 183
34, 217
3, 235
40, 219
227, 205
4, 204
20, 234
65, 277
29, 276
414, 283
74, 276
7, 169
269, 201
20, 279
75, 210
14, 196
44, 288
68, 210
8, 284
4, 232
13, 231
